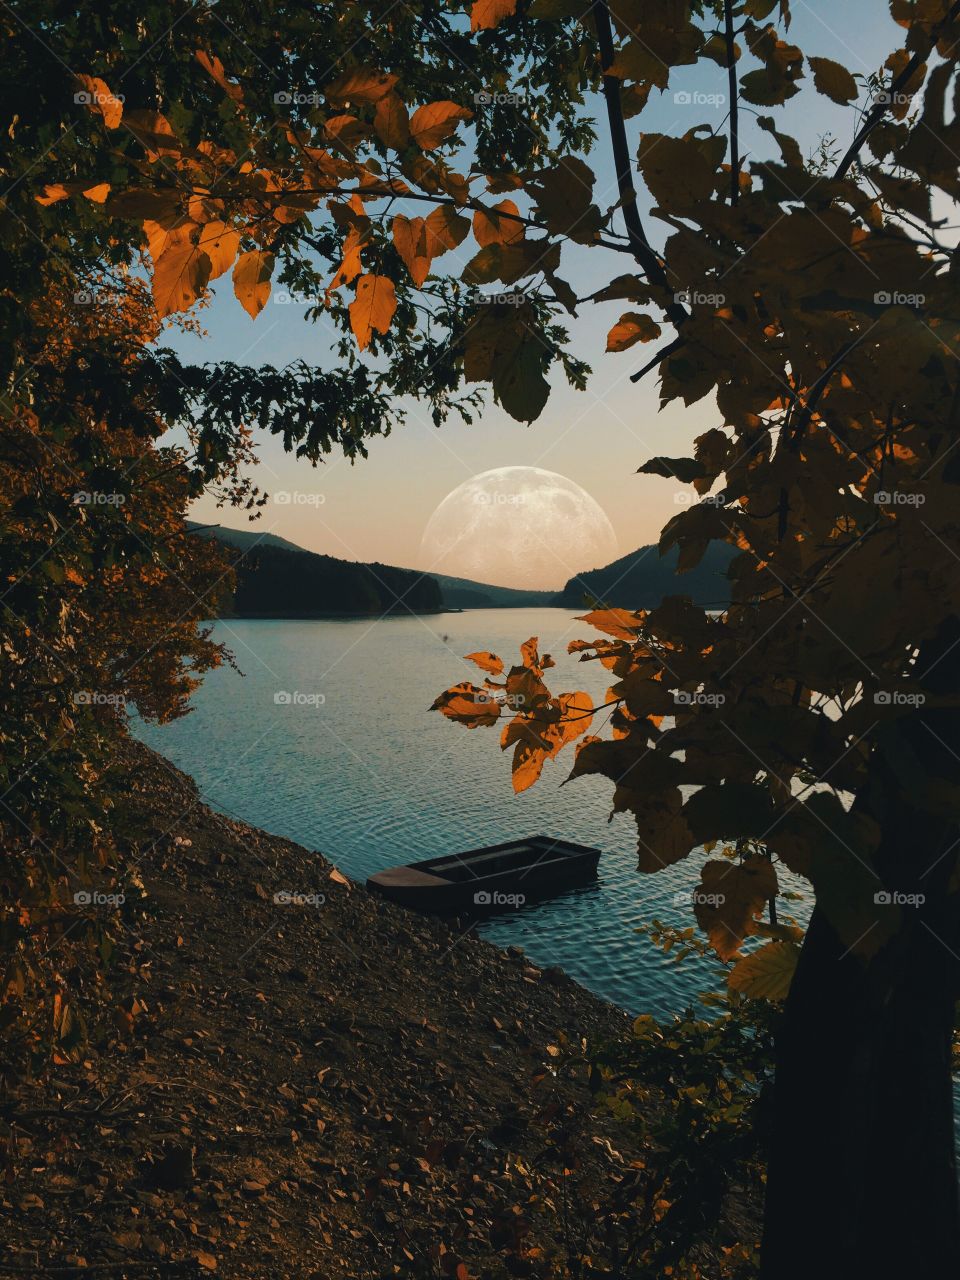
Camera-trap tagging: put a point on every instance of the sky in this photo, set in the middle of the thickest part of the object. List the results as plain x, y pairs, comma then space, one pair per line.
378, 508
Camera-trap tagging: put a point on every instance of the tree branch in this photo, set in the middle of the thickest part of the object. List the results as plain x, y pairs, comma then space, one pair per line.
879, 108
734, 91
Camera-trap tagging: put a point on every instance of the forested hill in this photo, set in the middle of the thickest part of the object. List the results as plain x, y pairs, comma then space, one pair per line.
276, 579
641, 579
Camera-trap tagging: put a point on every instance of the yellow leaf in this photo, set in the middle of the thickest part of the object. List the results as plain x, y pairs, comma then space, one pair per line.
251, 280
833, 80
630, 328
485, 14
180, 275
433, 123
373, 308
766, 972
220, 243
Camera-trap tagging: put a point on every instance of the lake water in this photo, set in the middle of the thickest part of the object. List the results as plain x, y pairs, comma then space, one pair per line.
371, 778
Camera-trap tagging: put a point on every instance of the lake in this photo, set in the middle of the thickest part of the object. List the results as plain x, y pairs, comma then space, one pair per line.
356, 766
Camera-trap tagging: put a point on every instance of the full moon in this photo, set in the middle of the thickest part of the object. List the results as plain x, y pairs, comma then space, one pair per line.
518, 527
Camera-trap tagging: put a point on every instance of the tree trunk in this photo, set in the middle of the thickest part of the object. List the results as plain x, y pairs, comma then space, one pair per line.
862, 1175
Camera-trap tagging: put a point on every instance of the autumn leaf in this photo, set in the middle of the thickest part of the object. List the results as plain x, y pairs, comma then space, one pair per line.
445, 229
392, 122
434, 123
729, 897
615, 622
487, 661
362, 84
98, 194
98, 97
220, 243
373, 308
410, 240
833, 80
214, 67
180, 275
485, 14
467, 705
489, 227
767, 972
251, 280
630, 328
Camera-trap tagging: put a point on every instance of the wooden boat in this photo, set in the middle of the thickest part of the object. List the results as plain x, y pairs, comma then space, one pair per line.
497, 878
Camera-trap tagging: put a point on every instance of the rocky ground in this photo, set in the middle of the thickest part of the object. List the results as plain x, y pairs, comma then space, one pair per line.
324, 1090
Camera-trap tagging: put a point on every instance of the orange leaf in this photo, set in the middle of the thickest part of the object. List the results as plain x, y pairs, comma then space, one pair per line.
409, 236
434, 123
729, 897
97, 96
52, 193
251, 280
488, 228
392, 122
487, 661
214, 67
485, 14
615, 622
373, 309
220, 243
630, 328
445, 229
338, 877
362, 84
99, 193
180, 275
468, 705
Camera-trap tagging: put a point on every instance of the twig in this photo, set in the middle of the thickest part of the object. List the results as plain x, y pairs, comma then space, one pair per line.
734, 91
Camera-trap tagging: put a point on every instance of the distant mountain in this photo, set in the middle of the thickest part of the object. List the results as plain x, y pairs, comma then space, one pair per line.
461, 593
642, 579
346, 586
276, 579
